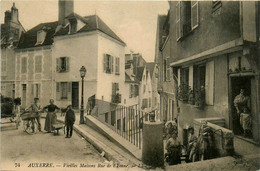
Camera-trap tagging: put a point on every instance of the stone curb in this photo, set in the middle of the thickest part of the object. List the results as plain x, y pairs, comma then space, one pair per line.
110, 154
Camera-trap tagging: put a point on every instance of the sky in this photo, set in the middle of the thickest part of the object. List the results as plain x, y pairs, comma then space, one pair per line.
135, 22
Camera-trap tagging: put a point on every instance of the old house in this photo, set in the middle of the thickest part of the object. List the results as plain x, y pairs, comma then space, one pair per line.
11, 31
214, 52
51, 54
155, 101
165, 84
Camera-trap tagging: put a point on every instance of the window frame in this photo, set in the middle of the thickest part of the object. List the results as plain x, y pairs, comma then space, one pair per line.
37, 66
65, 84
178, 20
24, 66
194, 3
117, 65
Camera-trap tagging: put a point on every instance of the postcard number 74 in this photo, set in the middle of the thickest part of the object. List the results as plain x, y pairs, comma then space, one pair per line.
17, 165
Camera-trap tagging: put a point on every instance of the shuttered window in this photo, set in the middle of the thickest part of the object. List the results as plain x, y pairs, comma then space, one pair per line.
38, 64
194, 14
63, 90
178, 20
108, 63
24, 65
62, 64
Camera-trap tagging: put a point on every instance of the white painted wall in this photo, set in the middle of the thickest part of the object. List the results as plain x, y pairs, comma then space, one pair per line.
83, 51
107, 45
148, 92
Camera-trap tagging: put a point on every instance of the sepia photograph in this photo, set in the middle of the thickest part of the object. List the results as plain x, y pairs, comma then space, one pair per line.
130, 85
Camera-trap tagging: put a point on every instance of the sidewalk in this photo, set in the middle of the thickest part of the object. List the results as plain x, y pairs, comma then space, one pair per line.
103, 145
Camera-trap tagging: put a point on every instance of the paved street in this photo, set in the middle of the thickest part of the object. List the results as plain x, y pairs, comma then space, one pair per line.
20, 147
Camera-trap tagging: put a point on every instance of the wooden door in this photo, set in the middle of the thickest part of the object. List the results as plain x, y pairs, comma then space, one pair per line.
75, 95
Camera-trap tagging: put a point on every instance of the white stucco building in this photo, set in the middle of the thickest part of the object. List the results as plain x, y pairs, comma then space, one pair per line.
50, 55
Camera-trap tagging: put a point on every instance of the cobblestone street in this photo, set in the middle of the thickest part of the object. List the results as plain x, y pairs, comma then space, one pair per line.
20, 148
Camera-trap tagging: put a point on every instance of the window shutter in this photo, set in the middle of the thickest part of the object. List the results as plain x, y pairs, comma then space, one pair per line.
118, 59
209, 83
58, 94
136, 90
194, 14
178, 20
104, 62
67, 64
57, 64
112, 64
39, 90
113, 89
69, 86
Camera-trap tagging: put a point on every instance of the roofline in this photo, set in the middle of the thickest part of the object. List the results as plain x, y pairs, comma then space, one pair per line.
91, 32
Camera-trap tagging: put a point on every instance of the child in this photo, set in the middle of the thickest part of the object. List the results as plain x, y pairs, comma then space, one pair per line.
69, 121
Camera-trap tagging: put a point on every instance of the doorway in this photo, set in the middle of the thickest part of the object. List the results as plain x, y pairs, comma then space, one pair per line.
75, 95
237, 83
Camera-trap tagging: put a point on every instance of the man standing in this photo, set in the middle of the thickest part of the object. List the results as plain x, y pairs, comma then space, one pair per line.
36, 108
69, 121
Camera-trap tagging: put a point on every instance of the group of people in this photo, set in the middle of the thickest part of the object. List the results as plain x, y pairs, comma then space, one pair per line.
51, 117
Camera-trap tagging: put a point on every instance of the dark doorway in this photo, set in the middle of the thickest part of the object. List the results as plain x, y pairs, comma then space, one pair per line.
75, 95
238, 83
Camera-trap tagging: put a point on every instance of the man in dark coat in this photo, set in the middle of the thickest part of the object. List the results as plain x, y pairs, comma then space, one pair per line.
69, 121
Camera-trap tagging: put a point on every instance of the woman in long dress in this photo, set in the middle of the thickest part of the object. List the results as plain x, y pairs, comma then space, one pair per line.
51, 116
242, 103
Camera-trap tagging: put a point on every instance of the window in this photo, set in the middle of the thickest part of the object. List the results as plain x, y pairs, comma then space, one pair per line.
144, 103
117, 66
64, 92
150, 102
216, 5
62, 64
40, 37
144, 87
134, 90
187, 17
164, 70
184, 76
115, 88
194, 14
38, 64
108, 64
113, 117
24, 65
3, 66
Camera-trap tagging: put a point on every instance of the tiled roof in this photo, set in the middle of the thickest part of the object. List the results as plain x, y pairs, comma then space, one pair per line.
29, 38
92, 23
139, 74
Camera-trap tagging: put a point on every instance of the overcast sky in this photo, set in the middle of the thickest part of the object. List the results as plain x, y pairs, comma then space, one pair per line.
134, 22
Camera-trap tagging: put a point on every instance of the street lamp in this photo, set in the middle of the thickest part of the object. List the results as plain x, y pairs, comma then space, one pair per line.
82, 75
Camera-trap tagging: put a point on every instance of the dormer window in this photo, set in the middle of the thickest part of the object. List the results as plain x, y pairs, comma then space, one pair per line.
73, 26
40, 37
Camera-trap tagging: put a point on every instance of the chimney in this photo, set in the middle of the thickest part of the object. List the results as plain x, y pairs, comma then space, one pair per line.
66, 7
7, 16
14, 13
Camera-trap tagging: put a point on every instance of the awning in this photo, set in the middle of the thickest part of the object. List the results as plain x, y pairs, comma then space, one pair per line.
228, 47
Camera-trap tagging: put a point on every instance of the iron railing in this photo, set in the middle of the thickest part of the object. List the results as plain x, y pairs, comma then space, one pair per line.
125, 121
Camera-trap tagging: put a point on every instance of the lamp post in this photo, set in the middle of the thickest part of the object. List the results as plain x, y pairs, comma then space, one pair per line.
82, 75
